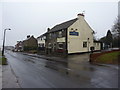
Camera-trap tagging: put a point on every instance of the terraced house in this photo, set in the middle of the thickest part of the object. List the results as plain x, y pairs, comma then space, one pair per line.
41, 43
30, 43
73, 36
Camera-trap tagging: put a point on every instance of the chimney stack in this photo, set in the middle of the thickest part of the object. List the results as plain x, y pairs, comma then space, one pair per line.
80, 15
18, 41
48, 29
28, 36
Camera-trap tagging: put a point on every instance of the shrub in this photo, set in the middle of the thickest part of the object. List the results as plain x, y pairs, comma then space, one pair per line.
3, 61
28, 48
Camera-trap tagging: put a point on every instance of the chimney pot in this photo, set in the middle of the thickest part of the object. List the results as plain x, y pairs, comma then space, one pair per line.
81, 14
28, 36
48, 29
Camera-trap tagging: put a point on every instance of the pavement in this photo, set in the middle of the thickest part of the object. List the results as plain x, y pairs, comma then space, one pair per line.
0, 70
0, 76
39, 71
9, 79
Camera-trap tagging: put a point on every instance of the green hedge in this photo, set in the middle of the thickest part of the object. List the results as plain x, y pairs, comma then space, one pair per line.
110, 58
28, 48
3, 61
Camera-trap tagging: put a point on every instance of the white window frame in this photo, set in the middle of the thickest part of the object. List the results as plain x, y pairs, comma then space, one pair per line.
60, 47
86, 44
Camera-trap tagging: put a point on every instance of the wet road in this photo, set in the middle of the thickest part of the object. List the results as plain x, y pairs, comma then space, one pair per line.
33, 72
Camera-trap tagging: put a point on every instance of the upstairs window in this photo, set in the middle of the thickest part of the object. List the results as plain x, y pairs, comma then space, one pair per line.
71, 28
50, 36
54, 35
41, 39
38, 45
84, 44
60, 34
44, 37
98, 44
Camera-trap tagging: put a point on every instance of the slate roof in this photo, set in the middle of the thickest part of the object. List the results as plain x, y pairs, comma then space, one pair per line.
41, 35
29, 38
63, 25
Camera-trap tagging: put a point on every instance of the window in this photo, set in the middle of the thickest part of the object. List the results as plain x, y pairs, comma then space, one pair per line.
98, 44
41, 39
50, 35
44, 37
60, 45
41, 45
38, 45
54, 35
84, 44
54, 45
49, 45
92, 48
60, 34
75, 29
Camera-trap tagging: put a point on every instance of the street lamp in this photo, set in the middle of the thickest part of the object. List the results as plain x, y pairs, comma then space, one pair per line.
4, 40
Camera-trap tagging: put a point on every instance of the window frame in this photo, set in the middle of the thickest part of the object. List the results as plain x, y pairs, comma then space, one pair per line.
60, 34
61, 47
49, 45
85, 44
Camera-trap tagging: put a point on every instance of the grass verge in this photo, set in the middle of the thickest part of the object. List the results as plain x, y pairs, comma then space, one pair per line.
109, 58
3, 60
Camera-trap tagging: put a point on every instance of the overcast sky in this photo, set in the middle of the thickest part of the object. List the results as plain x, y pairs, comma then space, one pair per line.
33, 18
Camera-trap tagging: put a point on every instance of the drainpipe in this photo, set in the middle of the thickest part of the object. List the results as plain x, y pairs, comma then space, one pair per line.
88, 44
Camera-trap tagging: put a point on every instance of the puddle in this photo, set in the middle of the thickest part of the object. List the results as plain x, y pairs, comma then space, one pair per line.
76, 68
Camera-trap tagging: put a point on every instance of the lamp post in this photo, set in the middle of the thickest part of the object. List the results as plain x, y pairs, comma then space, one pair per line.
4, 40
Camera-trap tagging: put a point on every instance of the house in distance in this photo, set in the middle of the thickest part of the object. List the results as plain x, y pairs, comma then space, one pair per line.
29, 44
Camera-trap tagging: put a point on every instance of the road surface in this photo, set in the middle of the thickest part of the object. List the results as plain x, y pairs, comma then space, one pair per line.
33, 72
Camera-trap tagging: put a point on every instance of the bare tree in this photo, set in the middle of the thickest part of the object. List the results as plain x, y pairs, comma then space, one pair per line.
116, 32
116, 27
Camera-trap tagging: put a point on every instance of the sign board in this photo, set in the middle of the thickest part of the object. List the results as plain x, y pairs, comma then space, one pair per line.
74, 33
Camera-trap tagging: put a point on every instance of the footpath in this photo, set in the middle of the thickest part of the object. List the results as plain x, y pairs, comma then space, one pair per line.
7, 76
9, 79
0, 77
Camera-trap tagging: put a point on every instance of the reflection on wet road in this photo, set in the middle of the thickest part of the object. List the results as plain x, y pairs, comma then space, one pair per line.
77, 72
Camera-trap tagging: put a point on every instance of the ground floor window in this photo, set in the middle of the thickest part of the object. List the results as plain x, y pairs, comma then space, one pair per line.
54, 45
60, 45
84, 44
41, 45
49, 45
